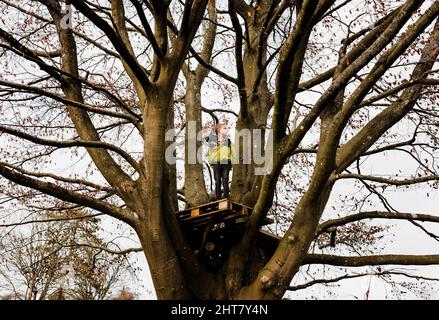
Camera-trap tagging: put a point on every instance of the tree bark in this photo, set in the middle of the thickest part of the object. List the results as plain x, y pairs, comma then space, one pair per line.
195, 192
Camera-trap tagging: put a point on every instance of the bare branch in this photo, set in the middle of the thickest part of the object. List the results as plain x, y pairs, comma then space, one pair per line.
394, 182
47, 54
21, 223
71, 143
81, 182
209, 40
398, 88
337, 279
219, 110
193, 12
242, 8
69, 102
239, 63
391, 115
375, 215
115, 40
66, 195
351, 276
27, 53
202, 62
101, 248
397, 259
146, 26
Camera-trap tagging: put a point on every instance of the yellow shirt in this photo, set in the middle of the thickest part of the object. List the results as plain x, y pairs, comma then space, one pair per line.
219, 152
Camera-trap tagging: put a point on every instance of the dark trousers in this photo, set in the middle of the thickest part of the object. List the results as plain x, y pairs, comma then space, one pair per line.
221, 174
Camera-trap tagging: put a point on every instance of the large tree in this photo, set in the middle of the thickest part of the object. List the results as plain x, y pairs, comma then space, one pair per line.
109, 80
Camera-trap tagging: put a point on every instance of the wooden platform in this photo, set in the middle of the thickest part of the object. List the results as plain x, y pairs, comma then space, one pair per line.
221, 222
224, 210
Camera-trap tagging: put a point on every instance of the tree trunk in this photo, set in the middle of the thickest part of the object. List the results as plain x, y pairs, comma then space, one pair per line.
195, 187
245, 184
151, 227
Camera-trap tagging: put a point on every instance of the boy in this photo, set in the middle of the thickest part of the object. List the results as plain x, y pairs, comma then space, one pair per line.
219, 155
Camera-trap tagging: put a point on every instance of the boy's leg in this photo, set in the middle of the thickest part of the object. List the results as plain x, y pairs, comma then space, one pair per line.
225, 169
217, 175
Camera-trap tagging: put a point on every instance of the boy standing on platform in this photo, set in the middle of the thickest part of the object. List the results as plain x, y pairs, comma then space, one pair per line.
219, 155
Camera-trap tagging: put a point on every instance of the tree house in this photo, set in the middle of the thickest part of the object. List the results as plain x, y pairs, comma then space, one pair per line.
213, 228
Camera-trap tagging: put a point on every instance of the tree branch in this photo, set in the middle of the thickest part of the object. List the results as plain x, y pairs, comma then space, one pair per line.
290, 63
337, 279
242, 8
202, 62
363, 140
50, 220
59, 178
187, 31
47, 54
72, 143
69, 102
398, 88
397, 259
66, 194
56, 73
374, 32
118, 18
239, 63
209, 41
277, 14
101, 248
210, 111
115, 40
351, 276
147, 28
374, 41
394, 182
375, 215
27, 53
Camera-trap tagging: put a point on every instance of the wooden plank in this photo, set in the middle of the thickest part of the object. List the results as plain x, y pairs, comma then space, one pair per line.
206, 215
241, 205
233, 217
182, 217
269, 235
208, 204
183, 213
223, 210
241, 220
227, 219
218, 205
203, 220
195, 212
223, 205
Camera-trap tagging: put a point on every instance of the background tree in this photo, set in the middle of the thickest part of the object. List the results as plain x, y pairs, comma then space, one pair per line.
60, 259
108, 84
125, 294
